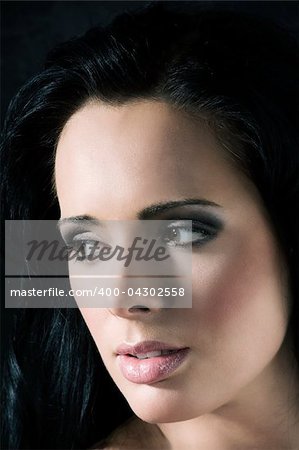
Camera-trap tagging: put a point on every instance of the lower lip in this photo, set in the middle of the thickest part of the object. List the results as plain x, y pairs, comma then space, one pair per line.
150, 370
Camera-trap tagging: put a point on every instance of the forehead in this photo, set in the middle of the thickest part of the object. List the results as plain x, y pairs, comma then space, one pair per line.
147, 151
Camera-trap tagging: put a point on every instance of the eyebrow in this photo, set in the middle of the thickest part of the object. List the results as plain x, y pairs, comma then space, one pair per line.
145, 214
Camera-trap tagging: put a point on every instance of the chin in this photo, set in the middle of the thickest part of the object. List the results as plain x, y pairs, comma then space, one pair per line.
158, 415
155, 405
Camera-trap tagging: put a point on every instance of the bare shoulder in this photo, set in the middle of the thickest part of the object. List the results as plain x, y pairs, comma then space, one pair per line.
134, 434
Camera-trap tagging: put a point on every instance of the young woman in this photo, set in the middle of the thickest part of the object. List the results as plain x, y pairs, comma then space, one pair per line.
164, 115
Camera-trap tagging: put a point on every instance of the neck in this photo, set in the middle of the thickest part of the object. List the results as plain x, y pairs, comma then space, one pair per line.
265, 414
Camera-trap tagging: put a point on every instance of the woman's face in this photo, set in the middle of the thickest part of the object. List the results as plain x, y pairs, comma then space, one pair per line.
111, 163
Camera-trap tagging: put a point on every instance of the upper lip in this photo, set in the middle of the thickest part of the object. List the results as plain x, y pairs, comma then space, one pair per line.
145, 347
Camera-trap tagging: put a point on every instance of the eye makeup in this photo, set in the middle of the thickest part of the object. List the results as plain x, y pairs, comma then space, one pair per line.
180, 234
84, 237
206, 226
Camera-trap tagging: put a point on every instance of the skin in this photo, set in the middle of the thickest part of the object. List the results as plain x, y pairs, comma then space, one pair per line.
235, 387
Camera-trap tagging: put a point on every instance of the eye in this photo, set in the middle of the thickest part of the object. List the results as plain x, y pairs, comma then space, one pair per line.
86, 250
179, 234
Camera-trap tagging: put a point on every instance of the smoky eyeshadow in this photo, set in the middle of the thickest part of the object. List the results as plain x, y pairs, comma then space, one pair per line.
199, 217
69, 232
205, 218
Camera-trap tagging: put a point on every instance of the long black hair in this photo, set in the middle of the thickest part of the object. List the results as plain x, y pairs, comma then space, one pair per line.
236, 73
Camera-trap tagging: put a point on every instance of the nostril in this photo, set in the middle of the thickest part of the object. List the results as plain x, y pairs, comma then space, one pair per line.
139, 308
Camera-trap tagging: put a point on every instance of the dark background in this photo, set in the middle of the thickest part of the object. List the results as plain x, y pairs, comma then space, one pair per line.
30, 28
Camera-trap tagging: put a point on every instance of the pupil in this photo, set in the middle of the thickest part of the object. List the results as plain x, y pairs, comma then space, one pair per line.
172, 234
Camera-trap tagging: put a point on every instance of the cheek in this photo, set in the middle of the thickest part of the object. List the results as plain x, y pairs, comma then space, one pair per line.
96, 320
240, 296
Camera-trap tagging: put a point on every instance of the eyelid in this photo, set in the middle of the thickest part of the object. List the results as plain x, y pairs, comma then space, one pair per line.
70, 234
203, 218
180, 221
85, 236
206, 222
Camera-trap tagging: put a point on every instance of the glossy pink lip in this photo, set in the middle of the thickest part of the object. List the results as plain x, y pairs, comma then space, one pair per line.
153, 369
144, 347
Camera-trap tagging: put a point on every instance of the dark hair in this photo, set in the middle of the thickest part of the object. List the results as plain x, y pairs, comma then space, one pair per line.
236, 73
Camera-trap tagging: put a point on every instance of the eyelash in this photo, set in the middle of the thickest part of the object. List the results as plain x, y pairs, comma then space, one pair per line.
209, 232
197, 227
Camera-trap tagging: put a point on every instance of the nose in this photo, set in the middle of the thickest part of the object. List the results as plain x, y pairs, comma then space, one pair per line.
135, 312
133, 283
131, 305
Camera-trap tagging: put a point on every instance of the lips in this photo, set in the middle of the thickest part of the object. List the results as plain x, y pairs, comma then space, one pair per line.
149, 362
